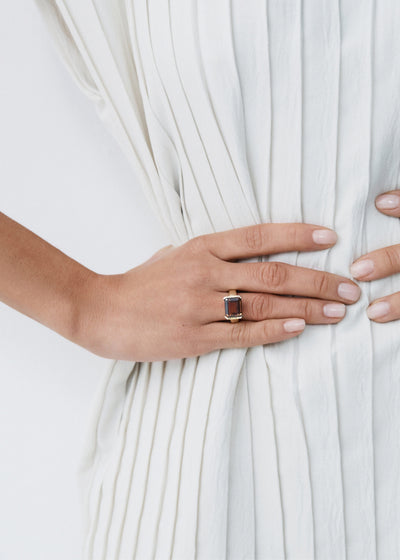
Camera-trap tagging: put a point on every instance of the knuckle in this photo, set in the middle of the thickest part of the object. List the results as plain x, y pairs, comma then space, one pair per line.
307, 309
273, 274
321, 283
266, 330
392, 256
198, 244
253, 237
238, 334
259, 306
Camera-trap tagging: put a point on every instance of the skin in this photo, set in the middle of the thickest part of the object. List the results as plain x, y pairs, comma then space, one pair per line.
147, 313
385, 262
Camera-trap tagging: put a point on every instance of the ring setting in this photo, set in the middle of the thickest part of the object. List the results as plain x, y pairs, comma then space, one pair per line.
233, 306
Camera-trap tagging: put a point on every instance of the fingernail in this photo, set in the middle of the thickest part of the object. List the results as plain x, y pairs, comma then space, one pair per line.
362, 268
324, 236
378, 309
294, 325
334, 309
349, 291
388, 201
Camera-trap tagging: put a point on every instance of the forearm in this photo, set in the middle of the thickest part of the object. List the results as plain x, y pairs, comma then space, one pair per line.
41, 281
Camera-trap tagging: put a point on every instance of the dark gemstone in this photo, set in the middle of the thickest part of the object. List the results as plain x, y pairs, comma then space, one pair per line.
233, 306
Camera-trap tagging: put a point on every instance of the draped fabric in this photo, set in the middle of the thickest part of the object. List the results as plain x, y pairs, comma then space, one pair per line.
233, 113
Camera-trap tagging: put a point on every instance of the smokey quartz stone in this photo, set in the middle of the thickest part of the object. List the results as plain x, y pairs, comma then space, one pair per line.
233, 307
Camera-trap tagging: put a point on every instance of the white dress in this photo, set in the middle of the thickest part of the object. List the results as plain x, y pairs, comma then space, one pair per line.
235, 112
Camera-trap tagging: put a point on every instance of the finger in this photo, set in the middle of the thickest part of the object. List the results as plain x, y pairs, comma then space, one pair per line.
389, 203
263, 239
385, 309
258, 306
249, 333
377, 264
283, 278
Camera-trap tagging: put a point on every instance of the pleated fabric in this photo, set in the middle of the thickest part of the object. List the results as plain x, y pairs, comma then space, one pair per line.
234, 113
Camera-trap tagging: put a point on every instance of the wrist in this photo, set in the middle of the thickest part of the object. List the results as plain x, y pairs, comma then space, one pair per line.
91, 310
85, 305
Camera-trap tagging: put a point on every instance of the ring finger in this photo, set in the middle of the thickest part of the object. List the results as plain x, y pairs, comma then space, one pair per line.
258, 306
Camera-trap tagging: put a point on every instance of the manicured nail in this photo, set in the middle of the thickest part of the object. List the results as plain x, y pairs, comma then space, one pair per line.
349, 291
294, 325
334, 309
378, 309
388, 201
362, 268
324, 236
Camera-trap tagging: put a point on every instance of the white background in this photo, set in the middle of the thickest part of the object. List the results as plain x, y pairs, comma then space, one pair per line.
64, 177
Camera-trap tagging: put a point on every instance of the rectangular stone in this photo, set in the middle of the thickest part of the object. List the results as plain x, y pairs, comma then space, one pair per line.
233, 306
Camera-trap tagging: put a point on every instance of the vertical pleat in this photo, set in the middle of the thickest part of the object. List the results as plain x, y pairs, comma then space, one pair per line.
106, 414
205, 463
268, 511
354, 375
241, 513
212, 515
316, 370
166, 518
250, 44
285, 47
380, 231
135, 439
118, 457
233, 113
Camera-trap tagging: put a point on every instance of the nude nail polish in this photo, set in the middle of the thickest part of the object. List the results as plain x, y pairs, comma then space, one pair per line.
334, 309
378, 309
349, 291
388, 201
324, 236
293, 325
362, 268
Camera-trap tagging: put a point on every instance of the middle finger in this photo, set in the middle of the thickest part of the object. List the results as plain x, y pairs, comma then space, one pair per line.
282, 278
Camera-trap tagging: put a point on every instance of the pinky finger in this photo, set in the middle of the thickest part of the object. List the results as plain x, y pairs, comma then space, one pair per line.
385, 309
251, 333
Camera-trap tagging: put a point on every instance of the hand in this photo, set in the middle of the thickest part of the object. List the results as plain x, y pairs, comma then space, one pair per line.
171, 306
380, 263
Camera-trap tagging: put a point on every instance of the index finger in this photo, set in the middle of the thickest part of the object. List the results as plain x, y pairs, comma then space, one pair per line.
264, 239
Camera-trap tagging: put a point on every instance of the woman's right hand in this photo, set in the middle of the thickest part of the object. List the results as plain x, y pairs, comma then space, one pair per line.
172, 306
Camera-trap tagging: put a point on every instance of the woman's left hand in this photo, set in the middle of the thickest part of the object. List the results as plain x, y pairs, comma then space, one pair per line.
380, 263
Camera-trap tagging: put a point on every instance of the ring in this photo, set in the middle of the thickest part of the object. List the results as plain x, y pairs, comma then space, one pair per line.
233, 306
